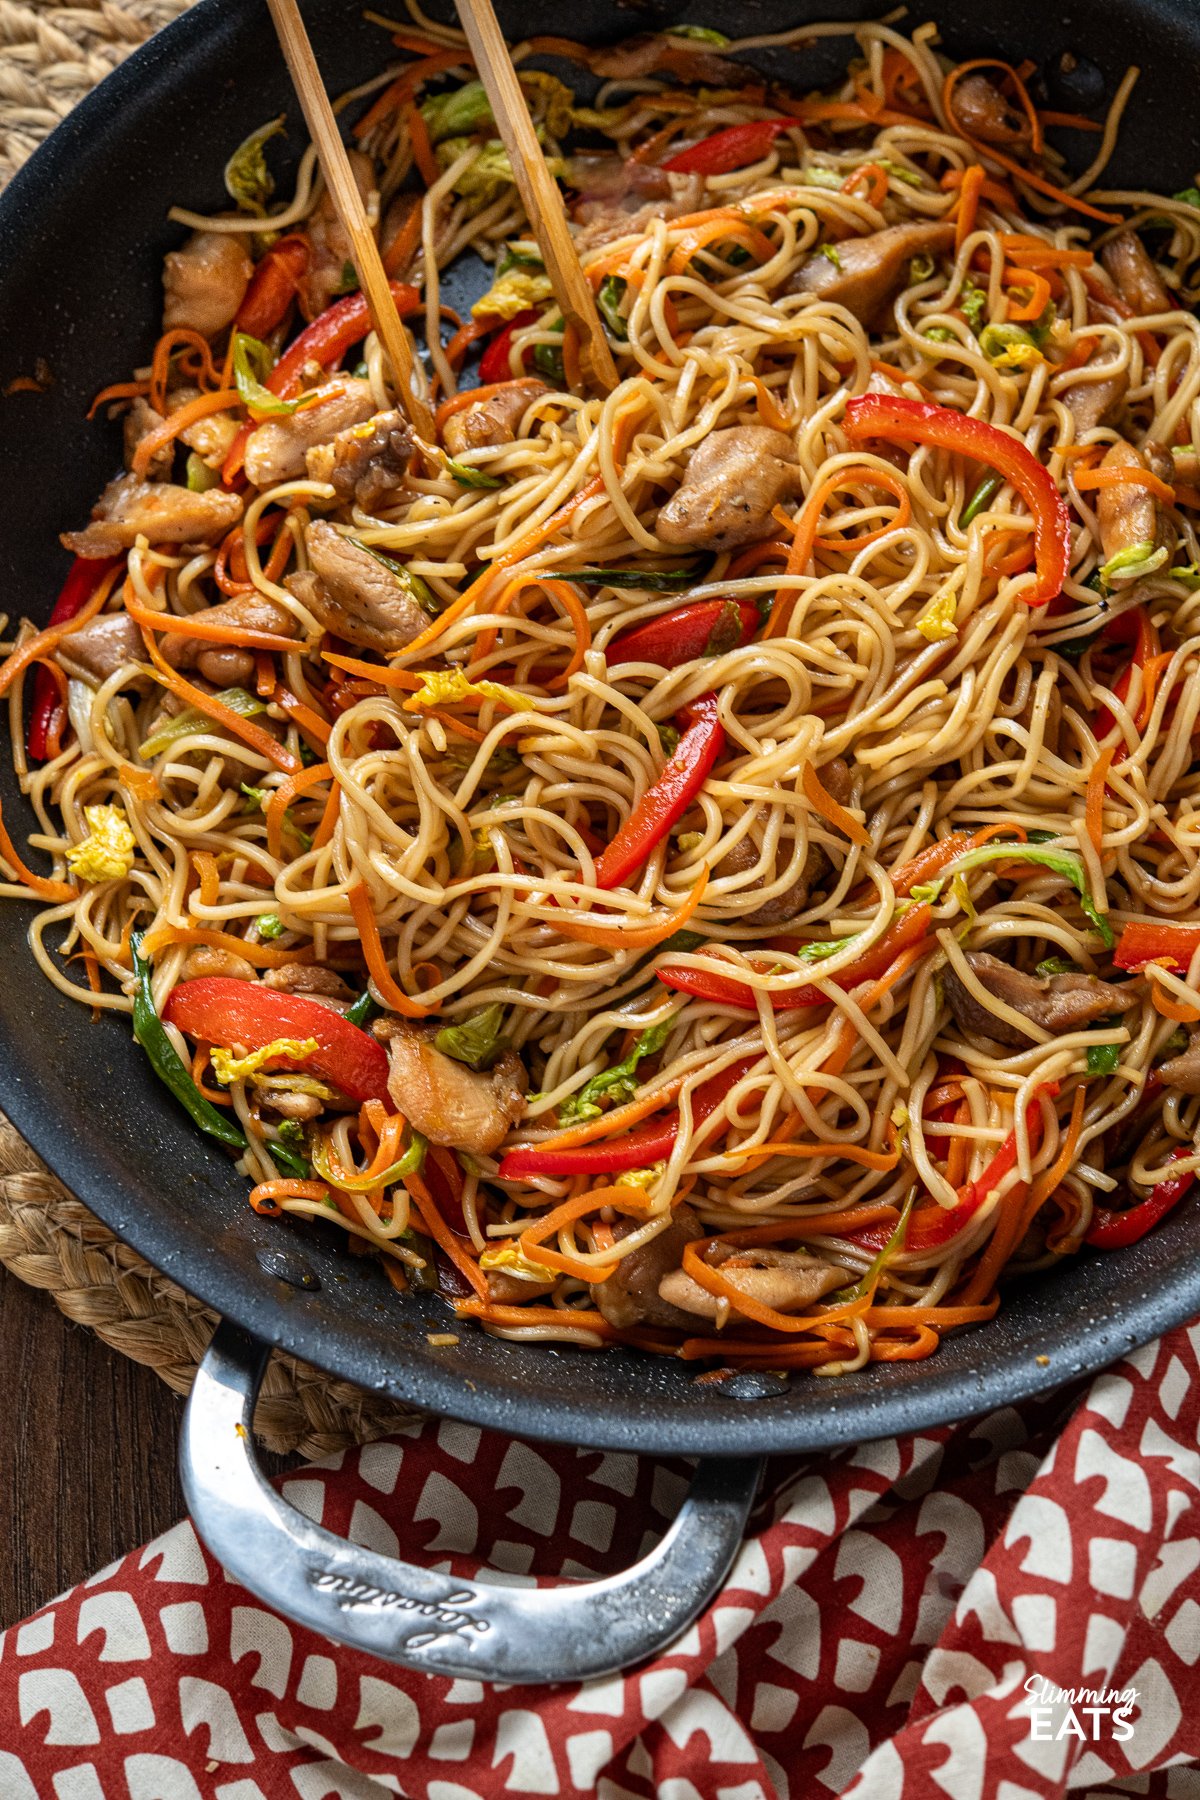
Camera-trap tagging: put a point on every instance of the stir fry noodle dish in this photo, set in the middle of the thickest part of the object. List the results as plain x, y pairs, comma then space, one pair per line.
711, 865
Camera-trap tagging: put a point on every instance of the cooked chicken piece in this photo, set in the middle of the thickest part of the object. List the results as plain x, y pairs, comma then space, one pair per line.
1092, 403
1185, 463
1058, 1003
366, 464
603, 222
290, 1103
140, 421
1137, 280
277, 449
493, 420
313, 979
1182, 1072
836, 779
654, 54
331, 258
224, 664
869, 272
98, 649
205, 282
732, 481
203, 961
631, 1295
1129, 516
451, 1104
210, 437
784, 1279
983, 112
157, 510
400, 210
507, 1289
354, 594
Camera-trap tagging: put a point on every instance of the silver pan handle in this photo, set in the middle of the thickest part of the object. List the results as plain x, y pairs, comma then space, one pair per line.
438, 1623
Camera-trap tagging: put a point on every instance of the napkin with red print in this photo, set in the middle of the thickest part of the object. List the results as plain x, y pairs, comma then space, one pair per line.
1006, 1610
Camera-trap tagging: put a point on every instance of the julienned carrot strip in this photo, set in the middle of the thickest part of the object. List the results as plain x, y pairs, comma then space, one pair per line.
160, 366
391, 992
877, 183
804, 535
831, 1224
42, 643
1039, 293
824, 803
377, 672
1021, 1206
180, 625
41, 885
310, 722
261, 955
881, 1160
996, 155
1126, 475
177, 422
1035, 253
283, 796
329, 818
266, 1196
222, 715
422, 149
967, 208
1094, 810
622, 935
893, 485
117, 390
929, 862
581, 1319
207, 869
1168, 1006
436, 1227
625, 1199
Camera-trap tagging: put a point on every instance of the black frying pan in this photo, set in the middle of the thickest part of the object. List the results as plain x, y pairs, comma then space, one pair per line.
82, 235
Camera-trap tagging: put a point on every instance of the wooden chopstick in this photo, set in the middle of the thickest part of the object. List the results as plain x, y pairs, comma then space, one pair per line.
538, 190
343, 190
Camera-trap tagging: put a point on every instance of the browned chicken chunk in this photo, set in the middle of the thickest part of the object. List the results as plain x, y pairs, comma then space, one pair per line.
865, 274
98, 649
225, 664
835, 777
367, 464
1182, 1072
157, 510
493, 420
205, 282
784, 1279
630, 1296
1130, 517
395, 220
331, 261
1058, 1003
204, 961
449, 1103
732, 481
313, 979
1092, 403
657, 54
983, 112
210, 437
1135, 276
354, 594
277, 449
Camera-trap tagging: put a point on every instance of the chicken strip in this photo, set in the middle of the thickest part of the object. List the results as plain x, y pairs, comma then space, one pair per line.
784, 1279
205, 282
631, 1296
448, 1103
140, 421
733, 480
1092, 403
354, 594
1182, 1072
225, 664
277, 450
1058, 1003
1135, 276
157, 510
983, 113
366, 465
865, 274
331, 268
1133, 525
494, 419
109, 642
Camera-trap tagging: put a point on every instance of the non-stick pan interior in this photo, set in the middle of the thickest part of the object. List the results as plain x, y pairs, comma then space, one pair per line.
82, 234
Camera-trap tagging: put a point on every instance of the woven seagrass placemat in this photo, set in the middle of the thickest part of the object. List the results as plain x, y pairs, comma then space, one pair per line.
50, 57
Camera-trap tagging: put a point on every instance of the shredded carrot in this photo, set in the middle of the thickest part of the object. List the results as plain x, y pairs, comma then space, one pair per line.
372, 946
993, 191
614, 1122
261, 955
1039, 293
724, 223
804, 534
531, 1245
1170, 1008
434, 1226
310, 723
929, 862
882, 1160
42, 643
41, 885
177, 422
160, 367
215, 1096
118, 390
222, 715
958, 1156
572, 372
1036, 253
1126, 475
582, 1319
404, 244
266, 1196
283, 796
967, 208
563, 593
1020, 1207
329, 817
824, 803
768, 412
422, 149
876, 179
995, 154
893, 485
619, 934
205, 864
181, 625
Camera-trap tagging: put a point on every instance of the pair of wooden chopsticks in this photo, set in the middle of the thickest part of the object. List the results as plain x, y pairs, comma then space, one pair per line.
536, 185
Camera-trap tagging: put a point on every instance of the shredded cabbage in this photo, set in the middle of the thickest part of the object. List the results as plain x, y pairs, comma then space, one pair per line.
227, 1067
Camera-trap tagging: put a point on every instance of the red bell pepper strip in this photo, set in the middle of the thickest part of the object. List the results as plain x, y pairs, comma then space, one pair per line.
331, 334
84, 578
1146, 941
494, 363
668, 798
933, 1226
726, 990
273, 286
730, 149
636, 1149
704, 628
900, 420
218, 1010
1111, 1230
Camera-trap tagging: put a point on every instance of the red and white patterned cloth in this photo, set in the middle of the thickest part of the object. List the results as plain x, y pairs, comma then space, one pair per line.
878, 1636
